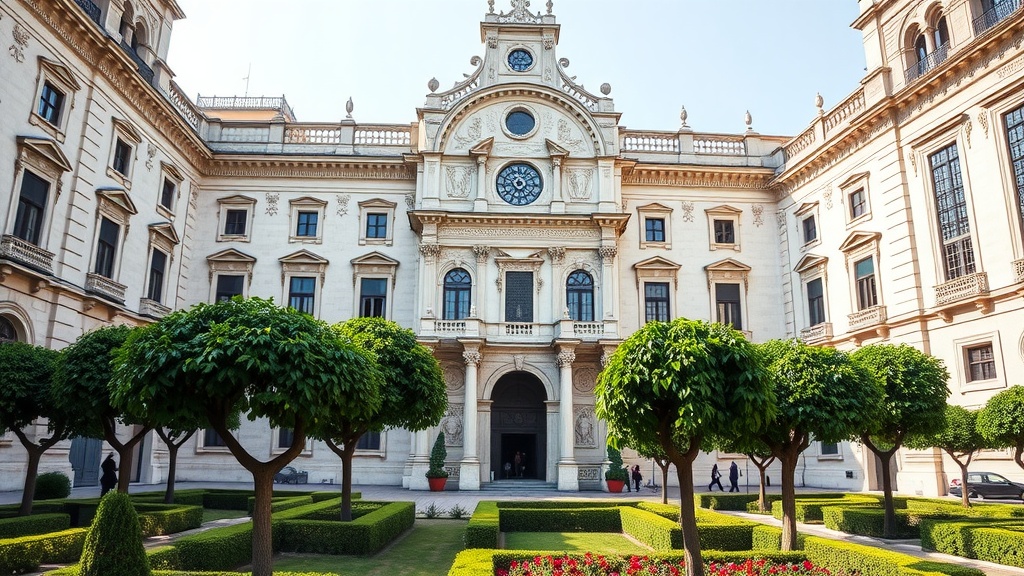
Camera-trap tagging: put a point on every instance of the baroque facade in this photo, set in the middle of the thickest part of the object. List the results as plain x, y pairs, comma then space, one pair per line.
517, 227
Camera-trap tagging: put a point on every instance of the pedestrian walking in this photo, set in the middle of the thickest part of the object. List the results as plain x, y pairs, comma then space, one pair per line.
109, 478
716, 478
734, 477
637, 477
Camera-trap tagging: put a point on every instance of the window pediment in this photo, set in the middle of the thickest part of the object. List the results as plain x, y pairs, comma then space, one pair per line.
163, 234
61, 72
237, 199
854, 179
858, 240
303, 262
308, 201
127, 131
724, 209
805, 208
810, 262
657, 263
231, 260
44, 153
171, 171
374, 264
653, 207
377, 203
116, 199
727, 270
303, 257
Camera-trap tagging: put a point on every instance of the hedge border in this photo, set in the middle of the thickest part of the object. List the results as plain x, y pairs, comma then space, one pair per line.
28, 552
33, 525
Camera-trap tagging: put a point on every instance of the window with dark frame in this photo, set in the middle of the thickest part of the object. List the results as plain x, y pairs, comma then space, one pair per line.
951, 208
579, 296
376, 226
157, 270
655, 229
302, 293
815, 302
285, 437
369, 441
725, 232
519, 296
373, 295
656, 304
212, 439
829, 449
727, 304
307, 223
858, 203
28, 223
235, 221
51, 102
457, 294
167, 193
106, 248
981, 362
867, 293
810, 229
1014, 123
122, 157
229, 286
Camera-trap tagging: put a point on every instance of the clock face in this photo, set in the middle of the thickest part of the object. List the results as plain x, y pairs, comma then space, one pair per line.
520, 60
519, 184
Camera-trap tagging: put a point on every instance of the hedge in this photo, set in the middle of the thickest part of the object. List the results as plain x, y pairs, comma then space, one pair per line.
28, 552
333, 513
603, 519
482, 530
364, 536
280, 503
739, 502
73, 571
809, 509
669, 511
160, 519
982, 539
857, 558
763, 537
651, 529
34, 524
565, 504
871, 521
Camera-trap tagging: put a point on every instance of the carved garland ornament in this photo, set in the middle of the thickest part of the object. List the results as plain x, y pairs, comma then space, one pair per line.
342, 200
451, 424
21, 38
272, 198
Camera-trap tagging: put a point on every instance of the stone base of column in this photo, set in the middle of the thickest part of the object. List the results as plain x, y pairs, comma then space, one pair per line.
469, 474
480, 205
568, 477
557, 207
418, 476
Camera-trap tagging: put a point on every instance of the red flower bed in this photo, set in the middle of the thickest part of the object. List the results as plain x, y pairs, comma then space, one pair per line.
591, 565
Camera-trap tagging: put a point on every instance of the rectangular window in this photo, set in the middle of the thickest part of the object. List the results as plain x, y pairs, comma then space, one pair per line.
235, 221
157, 269
122, 157
369, 441
1014, 121
211, 439
167, 194
377, 226
725, 232
981, 363
867, 295
106, 248
51, 101
307, 224
727, 300
951, 206
373, 296
858, 203
810, 228
229, 286
829, 449
656, 302
285, 437
301, 293
655, 229
815, 302
28, 224
519, 297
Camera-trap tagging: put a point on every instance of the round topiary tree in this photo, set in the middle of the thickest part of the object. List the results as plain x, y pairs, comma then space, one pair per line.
113, 546
52, 485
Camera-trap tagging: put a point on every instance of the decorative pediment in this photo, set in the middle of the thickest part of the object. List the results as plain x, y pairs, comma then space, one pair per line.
237, 199
163, 233
554, 149
171, 171
858, 239
308, 201
303, 262
653, 207
116, 199
854, 179
805, 208
377, 203
43, 151
659, 269
303, 257
483, 148
374, 263
657, 263
231, 260
810, 262
60, 72
724, 209
727, 265
127, 130
728, 271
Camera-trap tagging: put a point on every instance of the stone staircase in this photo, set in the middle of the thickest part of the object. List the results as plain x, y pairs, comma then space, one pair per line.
519, 485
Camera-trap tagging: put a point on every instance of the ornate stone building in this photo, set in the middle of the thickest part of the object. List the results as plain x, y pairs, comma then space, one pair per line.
516, 226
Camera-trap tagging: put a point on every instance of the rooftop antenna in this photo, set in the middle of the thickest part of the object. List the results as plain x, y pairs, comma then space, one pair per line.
247, 75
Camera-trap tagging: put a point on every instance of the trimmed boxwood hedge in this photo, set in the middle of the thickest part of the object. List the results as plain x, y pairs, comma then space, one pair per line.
28, 552
870, 521
564, 504
844, 556
651, 529
365, 535
605, 519
809, 509
482, 530
982, 539
280, 503
34, 524
741, 502
160, 519
73, 571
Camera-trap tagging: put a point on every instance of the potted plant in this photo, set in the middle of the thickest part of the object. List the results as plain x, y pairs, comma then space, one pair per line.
436, 475
616, 476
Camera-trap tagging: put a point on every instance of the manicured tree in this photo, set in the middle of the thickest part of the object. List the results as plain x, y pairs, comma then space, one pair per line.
174, 437
959, 437
672, 383
661, 459
758, 453
83, 387
113, 546
1001, 421
413, 394
26, 394
913, 402
821, 393
214, 361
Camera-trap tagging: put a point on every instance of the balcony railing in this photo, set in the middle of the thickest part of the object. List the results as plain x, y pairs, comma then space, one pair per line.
449, 327
105, 287
1018, 271
91, 10
816, 333
18, 250
961, 288
588, 328
872, 316
152, 308
144, 70
995, 15
937, 56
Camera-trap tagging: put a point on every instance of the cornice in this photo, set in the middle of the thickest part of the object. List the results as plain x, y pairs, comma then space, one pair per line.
697, 176
469, 219
309, 168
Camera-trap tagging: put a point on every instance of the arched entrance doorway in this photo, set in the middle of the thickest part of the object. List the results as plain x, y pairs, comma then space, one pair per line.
518, 425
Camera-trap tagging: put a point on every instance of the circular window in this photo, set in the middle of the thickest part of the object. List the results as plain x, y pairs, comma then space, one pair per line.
520, 122
520, 60
519, 184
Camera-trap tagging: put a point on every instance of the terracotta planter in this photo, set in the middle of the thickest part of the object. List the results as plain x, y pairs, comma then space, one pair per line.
615, 486
437, 484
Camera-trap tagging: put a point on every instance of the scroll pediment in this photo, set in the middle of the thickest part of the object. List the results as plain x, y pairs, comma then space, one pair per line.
118, 199
859, 238
46, 150
810, 261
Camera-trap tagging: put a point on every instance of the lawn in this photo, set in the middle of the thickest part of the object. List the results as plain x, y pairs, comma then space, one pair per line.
427, 550
601, 542
211, 515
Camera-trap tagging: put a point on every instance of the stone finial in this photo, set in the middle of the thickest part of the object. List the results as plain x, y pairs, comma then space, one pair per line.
682, 117
433, 85
550, 6
818, 103
349, 107
748, 120
606, 88
490, 6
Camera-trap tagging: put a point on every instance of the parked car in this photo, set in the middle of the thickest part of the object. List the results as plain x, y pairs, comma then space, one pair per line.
988, 485
289, 475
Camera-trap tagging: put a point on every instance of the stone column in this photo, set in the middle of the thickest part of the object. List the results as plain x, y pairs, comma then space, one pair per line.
469, 472
480, 200
480, 294
428, 279
568, 472
557, 199
608, 281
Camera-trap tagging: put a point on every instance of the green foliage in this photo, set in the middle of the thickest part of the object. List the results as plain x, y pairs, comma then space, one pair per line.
28, 552
27, 374
457, 512
983, 539
764, 537
616, 470
437, 456
651, 529
36, 524
603, 519
114, 544
846, 557
82, 380
365, 535
482, 530
433, 510
281, 503
810, 509
1001, 421
216, 549
52, 485
160, 519
959, 434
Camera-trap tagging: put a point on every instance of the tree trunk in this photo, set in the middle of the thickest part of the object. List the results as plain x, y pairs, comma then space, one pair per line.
762, 471
346, 481
1018, 455
172, 465
688, 519
963, 484
789, 461
124, 451
262, 539
34, 455
664, 484
889, 525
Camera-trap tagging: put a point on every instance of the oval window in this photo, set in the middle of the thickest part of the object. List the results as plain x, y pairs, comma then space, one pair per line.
520, 122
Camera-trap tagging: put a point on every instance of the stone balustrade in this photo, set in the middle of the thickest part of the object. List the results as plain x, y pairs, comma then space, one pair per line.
817, 333
444, 327
588, 328
383, 136
105, 287
719, 145
312, 134
962, 288
849, 108
184, 106
18, 250
872, 316
1018, 271
650, 142
153, 309
309, 138
800, 143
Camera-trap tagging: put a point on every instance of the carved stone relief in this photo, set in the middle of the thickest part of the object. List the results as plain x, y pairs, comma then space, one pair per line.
588, 473
584, 424
21, 38
454, 377
451, 425
583, 380
343, 200
565, 137
579, 180
688, 208
758, 211
272, 198
471, 135
458, 179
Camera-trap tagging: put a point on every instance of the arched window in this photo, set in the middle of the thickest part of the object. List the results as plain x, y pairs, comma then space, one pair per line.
941, 33
7, 331
921, 48
139, 37
579, 296
457, 285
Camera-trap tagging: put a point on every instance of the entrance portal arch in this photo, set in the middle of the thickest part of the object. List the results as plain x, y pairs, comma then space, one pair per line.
518, 425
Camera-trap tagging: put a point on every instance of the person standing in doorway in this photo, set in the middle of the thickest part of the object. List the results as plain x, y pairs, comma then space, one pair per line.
109, 478
734, 477
716, 478
519, 464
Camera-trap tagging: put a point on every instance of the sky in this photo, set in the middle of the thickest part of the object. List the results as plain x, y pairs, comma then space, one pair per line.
719, 58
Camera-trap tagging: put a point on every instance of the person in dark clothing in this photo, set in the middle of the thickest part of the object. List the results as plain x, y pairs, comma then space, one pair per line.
734, 478
637, 477
716, 478
109, 478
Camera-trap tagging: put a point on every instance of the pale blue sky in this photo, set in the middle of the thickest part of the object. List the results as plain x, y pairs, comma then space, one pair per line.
718, 57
